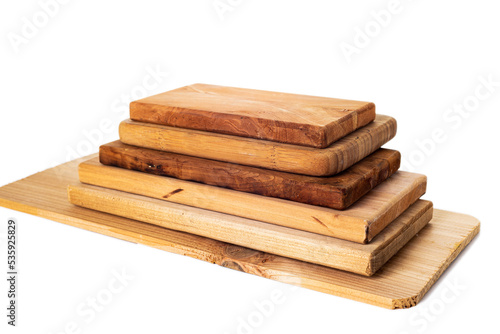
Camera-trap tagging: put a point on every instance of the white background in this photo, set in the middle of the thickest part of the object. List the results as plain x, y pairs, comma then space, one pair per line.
79, 70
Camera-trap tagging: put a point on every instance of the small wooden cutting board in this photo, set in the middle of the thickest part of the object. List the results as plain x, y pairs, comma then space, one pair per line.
360, 223
337, 192
262, 153
286, 118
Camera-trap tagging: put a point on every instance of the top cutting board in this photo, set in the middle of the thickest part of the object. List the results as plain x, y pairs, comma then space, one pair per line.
287, 118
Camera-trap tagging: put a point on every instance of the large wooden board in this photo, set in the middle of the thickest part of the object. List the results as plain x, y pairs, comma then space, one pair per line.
262, 153
337, 192
360, 223
310, 247
401, 283
287, 118
274, 239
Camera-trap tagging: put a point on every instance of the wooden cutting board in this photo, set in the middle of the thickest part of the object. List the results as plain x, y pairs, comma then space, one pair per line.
261, 153
360, 223
336, 192
401, 283
274, 239
286, 118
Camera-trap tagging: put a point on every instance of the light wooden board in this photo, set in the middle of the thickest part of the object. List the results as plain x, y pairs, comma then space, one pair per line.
287, 118
296, 244
337, 192
262, 153
360, 223
401, 283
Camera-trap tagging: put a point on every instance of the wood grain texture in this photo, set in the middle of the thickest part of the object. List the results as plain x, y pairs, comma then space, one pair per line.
360, 223
274, 239
262, 153
401, 283
286, 118
337, 192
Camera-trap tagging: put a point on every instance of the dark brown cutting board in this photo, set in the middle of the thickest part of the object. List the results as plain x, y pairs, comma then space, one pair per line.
337, 192
287, 118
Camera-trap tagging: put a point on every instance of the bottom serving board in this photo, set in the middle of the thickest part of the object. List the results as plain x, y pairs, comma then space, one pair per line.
401, 283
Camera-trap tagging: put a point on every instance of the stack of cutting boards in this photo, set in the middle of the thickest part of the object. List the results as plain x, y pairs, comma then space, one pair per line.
287, 187
298, 176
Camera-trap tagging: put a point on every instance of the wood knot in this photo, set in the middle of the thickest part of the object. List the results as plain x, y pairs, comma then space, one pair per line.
237, 252
232, 265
